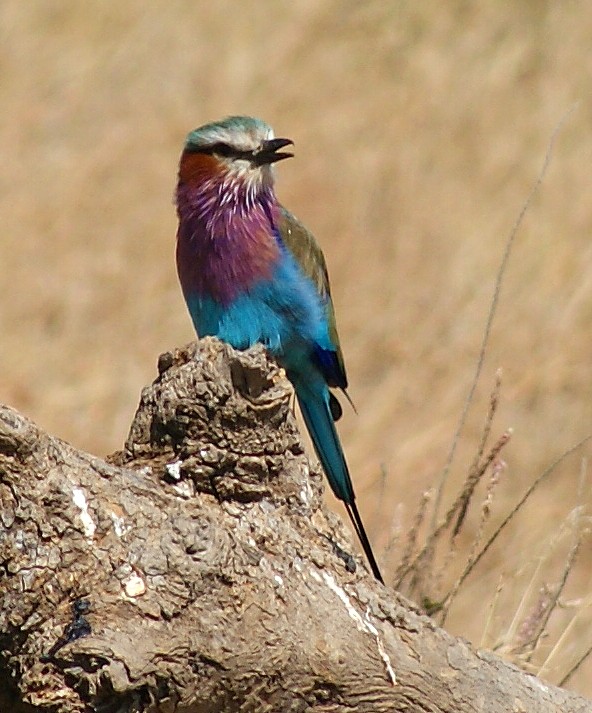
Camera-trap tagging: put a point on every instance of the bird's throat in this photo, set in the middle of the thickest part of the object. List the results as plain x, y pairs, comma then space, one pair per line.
226, 242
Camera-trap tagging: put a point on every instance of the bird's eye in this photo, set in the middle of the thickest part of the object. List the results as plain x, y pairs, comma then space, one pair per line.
226, 151
223, 150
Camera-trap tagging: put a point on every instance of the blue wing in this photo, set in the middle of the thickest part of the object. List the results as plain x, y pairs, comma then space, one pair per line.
309, 257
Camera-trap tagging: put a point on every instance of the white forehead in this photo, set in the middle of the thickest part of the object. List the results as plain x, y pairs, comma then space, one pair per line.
241, 132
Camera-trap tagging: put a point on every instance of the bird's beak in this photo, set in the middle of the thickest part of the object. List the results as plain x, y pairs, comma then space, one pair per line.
268, 152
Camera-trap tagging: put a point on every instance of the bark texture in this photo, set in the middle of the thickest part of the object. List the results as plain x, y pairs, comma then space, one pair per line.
217, 580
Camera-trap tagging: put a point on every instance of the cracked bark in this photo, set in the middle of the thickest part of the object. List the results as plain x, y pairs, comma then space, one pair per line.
217, 579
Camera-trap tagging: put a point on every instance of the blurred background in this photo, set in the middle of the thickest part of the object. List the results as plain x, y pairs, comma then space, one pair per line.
419, 130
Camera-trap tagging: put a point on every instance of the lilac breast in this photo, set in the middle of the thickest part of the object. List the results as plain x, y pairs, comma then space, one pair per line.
223, 249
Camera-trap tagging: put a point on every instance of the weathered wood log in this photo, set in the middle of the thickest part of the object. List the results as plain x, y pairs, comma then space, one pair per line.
216, 578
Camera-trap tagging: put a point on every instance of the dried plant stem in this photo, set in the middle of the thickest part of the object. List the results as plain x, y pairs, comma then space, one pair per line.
491, 613
496, 471
476, 471
424, 557
569, 563
490, 316
519, 615
559, 643
405, 566
575, 667
519, 620
543, 476
382, 478
579, 533
395, 530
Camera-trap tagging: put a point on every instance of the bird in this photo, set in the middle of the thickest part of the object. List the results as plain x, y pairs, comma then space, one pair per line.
251, 273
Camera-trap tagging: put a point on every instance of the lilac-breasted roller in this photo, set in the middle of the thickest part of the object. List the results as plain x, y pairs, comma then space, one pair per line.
252, 273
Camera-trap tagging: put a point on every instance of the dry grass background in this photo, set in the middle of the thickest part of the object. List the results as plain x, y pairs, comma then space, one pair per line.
419, 130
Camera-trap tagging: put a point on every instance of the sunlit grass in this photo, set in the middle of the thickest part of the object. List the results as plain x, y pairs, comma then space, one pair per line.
419, 129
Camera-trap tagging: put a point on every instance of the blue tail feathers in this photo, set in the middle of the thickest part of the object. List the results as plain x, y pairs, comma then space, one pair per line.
316, 411
319, 421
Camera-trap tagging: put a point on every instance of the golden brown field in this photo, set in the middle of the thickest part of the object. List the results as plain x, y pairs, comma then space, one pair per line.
420, 129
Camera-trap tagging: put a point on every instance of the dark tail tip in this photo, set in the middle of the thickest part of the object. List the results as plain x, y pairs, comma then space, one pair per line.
354, 515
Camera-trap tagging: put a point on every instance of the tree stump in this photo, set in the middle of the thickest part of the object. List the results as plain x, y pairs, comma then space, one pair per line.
197, 570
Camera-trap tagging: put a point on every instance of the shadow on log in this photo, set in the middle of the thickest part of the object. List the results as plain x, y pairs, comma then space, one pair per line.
208, 573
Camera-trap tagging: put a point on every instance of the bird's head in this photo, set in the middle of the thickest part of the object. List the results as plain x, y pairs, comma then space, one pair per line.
239, 147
